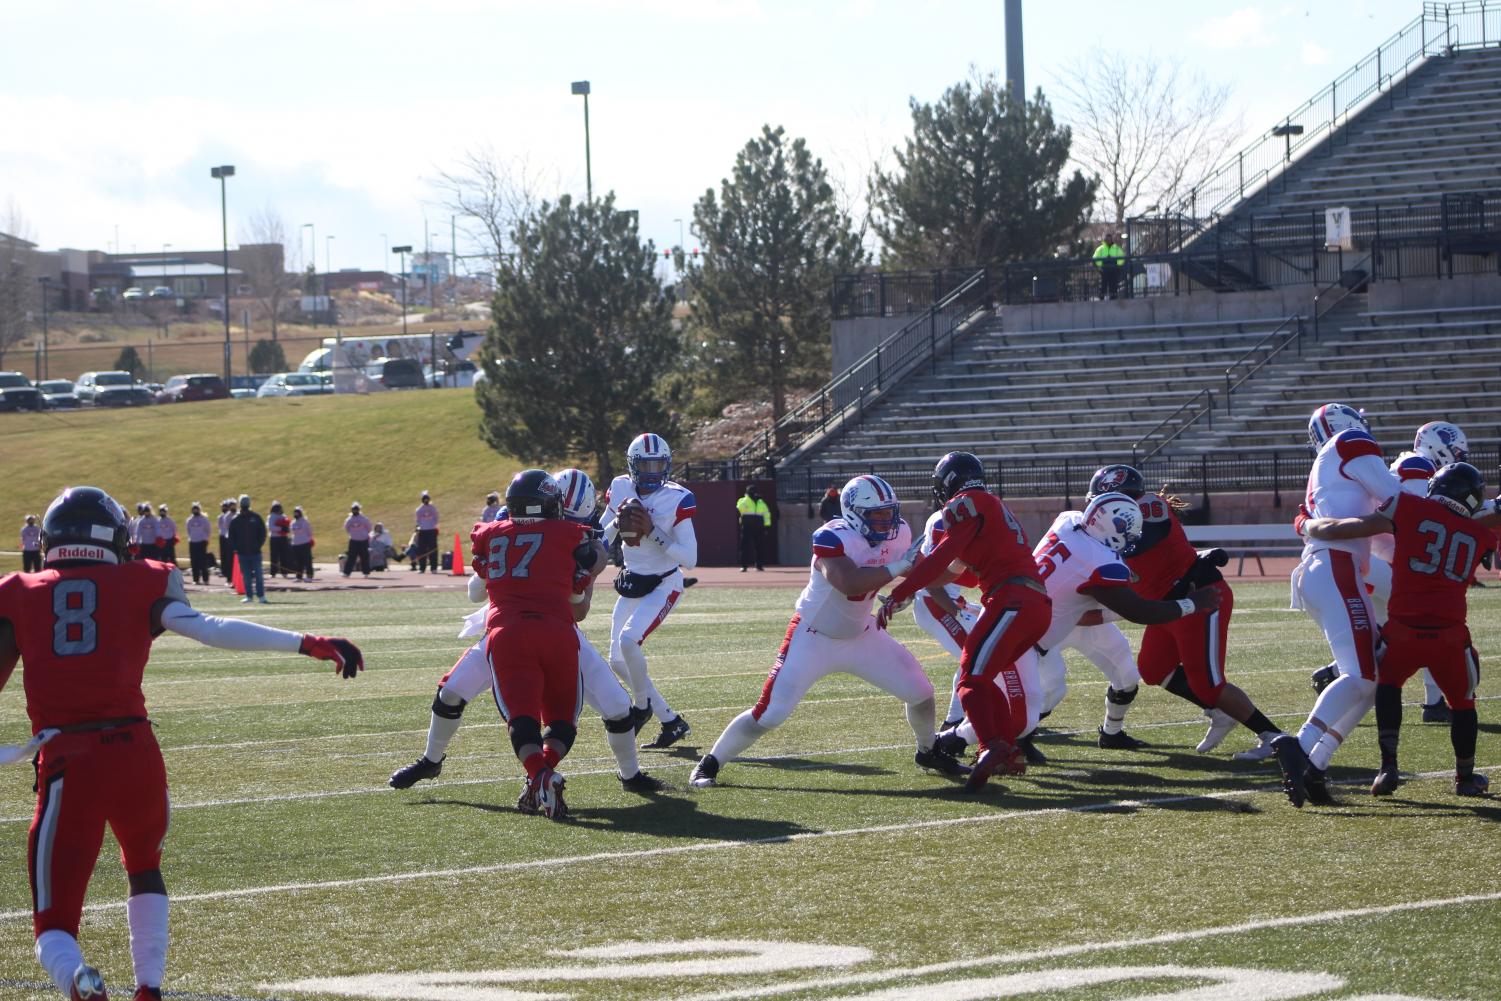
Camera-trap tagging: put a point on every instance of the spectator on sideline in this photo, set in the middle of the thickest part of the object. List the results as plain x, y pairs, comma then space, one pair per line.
383, 548
132, 527
31, 545
828, 508
166, 537
146, 533
1109, 257
427, 536
492, 507
755, 516
302, 545
247, 534
199, 530
279, 528
227, 510
357, 527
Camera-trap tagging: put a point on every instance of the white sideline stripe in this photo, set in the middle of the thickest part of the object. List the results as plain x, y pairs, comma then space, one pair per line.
708, 846
1083, 948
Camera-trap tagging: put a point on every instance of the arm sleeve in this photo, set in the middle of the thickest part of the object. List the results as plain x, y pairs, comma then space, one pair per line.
955, 538
1371, 473
477, 592
681, 546
227, 634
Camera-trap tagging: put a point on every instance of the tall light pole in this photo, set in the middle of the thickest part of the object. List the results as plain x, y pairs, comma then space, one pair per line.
327, 260
385, 247
165, 248
403, 250
221, 174
312, 260
46, 281
581, 87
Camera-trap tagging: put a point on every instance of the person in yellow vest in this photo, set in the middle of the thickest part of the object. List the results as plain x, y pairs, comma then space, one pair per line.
1110, 259
755, 518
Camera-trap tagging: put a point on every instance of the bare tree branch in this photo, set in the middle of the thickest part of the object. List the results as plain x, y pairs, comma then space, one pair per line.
263, 245
489, 194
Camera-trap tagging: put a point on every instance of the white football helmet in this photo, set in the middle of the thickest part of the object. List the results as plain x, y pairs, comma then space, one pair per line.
1441, 443
1114, 520
579, 500
869, 506
1413, 472
1330, 419
649, 461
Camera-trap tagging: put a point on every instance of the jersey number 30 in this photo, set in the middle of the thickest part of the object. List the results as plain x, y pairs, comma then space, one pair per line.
1456, 567
74, 631
500, 555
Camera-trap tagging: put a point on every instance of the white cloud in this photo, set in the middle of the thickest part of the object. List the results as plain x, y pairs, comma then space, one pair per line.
1315, 54
1246, 27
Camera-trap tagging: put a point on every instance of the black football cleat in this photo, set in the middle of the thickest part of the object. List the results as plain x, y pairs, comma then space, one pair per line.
641, 783
1316, 786
938, 761
405, 778
673, 731
1437, 712
1471, 785
1120, 741
949, 742
1386, 781
1294, 764
1324, 677
705, 773
1030, 750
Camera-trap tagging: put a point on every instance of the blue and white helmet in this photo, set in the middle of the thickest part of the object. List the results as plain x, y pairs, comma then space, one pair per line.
579, 500
1413, 471
1114, 520
649, 461
869, 506
1442, 443
1330, 419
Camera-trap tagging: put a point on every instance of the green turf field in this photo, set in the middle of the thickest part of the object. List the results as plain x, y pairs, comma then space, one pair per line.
828, 866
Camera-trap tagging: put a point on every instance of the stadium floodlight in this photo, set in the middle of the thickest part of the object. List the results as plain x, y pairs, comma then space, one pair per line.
581, 89
1287, 131
403, 250
220, 174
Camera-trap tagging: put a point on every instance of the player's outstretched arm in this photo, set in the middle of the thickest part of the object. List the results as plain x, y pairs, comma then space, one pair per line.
1144, 611
1335, 529
851, 580
476, 585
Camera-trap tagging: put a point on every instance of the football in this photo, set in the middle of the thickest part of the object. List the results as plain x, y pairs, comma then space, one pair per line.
634, 521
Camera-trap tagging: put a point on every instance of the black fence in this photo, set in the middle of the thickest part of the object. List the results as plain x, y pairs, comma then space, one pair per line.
894, 293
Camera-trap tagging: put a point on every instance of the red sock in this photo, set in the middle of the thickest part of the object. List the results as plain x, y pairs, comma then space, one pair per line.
551, 757
534, 763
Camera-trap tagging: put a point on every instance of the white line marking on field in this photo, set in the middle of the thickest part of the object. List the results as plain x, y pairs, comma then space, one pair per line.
707, 846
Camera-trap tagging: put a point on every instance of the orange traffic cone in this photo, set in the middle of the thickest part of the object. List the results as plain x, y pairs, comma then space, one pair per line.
239, 581
458, 555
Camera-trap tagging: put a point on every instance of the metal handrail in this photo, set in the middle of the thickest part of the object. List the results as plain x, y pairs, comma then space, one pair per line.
1440, 29
1320, 312
1208, 409
1295, 336
915, 344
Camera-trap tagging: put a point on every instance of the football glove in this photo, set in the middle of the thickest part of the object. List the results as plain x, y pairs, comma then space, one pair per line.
11, 753
1301, 518
889, 610
347, 658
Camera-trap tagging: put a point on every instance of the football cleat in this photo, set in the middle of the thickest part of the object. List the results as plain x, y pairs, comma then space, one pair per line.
1220, 725
949, 742
1260, 752
641, 783
1437, 712
1030, 751
1471, 785
1324, 677
1003, 757
550, 795
640, 716
144, 993
673, 731
705, 773
1386, 782
1294, 765
1120, 741
405, 778
527, 801
1316, 786
88, 985
937, 761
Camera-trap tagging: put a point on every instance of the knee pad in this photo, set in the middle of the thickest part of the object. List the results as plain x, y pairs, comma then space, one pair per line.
443, 710
525, 730
621, 725
563, 733
1117, 697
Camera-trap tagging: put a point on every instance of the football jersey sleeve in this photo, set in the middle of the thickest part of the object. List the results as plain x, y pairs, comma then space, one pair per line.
826, 542
1107, 575
686, 507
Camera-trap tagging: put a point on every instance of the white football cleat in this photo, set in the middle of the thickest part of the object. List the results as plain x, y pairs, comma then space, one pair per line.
1220, 725
88, 985
1260, 752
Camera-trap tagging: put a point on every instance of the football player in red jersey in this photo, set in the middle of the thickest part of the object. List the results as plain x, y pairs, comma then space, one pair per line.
1439, 545
1187, 655
532, 562
82, 627
983, 536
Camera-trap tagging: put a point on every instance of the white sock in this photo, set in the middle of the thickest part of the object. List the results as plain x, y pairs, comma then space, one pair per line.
59, 955
1431, 692
967, 731
742, 732
659, 707
920, 719
147, 914
956, 711
1115, 716
1332, 703
441, 730
1324, 750
623, 746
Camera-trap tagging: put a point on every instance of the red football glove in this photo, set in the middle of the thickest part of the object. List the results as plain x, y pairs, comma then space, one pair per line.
1301, 518
888, 610
347, 658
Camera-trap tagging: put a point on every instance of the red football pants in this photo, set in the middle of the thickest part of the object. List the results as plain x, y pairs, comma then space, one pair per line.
1195, 641
84, 781
535, 661
1445, 651
1014, 619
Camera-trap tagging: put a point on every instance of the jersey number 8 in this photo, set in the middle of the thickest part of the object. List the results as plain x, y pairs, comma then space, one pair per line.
74, 631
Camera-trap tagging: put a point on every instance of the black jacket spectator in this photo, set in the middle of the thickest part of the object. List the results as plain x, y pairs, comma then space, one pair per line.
247, 532
829, 508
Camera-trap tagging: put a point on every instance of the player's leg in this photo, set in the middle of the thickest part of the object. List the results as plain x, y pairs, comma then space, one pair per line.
1333, 588
1459, 676
1014, 621
139, 816
1053, 674
879, 658
949, 632
1378, 578
646, 618
63, 845
469, 676
613, 703
1107, 648
562, 701
803, 658
1396, 661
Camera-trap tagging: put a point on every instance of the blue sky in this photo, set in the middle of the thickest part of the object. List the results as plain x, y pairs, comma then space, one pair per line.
341, 113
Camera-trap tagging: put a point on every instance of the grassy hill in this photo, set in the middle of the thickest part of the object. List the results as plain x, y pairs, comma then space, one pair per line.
323, 452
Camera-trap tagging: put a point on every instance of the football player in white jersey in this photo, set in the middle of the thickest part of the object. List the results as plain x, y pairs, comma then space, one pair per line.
471, 674
832, 630
660, 544
1349, 479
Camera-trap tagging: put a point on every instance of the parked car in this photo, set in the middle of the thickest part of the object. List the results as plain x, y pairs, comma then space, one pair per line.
134, 292
58, 394
242, 394
192, 388
459, 375
396, 373
111, 389
161, 292
17, 393
294, 384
